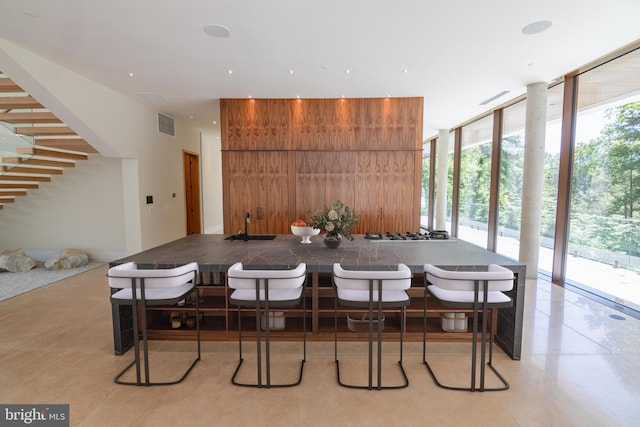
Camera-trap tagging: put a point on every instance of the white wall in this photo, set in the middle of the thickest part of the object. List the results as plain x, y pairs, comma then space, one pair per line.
148, 163
211, 168
82, 208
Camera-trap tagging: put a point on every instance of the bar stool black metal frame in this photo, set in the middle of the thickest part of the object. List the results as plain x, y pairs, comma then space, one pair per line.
485, 306
152, 296
377, 304
263, 305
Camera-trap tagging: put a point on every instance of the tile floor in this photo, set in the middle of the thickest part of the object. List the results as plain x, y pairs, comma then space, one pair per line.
579, 367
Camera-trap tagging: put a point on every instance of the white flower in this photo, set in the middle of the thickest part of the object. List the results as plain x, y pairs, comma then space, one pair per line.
332, 215
329, 227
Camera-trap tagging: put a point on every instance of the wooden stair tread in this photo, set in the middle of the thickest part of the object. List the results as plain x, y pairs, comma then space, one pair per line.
9, 86
44, 152
19, 178
27, 169
38, 162
73, 144
19, 102
37, 117
44, 130
8, 185
13, 193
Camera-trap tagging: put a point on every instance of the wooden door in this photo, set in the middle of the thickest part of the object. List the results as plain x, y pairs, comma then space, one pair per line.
192, 192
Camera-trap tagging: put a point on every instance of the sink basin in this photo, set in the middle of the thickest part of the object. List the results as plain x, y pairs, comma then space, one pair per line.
251, 237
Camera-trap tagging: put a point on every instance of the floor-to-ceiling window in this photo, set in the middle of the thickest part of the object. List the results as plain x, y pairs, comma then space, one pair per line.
551, 170
511, 169
595, 213
425, 201
604, 237
475, 181
452, 136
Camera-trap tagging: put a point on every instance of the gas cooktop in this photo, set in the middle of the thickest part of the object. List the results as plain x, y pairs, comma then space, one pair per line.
408, 236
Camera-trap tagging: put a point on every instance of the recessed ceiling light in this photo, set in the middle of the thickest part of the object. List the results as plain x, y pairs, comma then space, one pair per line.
537, 27
229, 72
347, 71
291, 71
130, 74
216, 30
405, 71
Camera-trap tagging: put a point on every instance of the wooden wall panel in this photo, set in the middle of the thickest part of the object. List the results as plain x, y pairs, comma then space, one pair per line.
401, 130
250, 124
310, 182
258, 185
385, 182
323, 124
285, 159
399, 208
370, 193
340, 178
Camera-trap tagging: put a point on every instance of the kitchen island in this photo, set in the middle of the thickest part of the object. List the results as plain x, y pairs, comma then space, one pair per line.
214, 254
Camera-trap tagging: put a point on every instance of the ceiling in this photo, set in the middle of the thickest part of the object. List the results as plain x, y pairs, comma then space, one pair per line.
456, 54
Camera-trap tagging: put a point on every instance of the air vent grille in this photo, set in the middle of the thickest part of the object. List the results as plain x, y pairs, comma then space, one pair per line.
166, 125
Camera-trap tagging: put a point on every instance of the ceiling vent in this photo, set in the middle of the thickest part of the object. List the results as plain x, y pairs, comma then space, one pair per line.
166, 125
493, 98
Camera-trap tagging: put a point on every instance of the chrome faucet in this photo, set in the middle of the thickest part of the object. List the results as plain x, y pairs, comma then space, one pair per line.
247, 219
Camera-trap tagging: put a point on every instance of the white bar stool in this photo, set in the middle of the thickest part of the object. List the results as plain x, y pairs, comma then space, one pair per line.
374, 290
477, 290
140, 288
264, 290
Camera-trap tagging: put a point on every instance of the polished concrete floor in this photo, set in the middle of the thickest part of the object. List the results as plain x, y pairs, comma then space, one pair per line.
580, 367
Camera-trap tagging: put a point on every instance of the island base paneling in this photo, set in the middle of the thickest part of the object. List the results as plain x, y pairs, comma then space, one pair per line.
219, 320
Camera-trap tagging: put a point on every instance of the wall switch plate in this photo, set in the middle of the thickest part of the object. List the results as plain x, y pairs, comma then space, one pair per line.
149, 200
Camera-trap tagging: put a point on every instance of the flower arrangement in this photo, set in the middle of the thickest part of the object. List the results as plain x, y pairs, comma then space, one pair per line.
335, 220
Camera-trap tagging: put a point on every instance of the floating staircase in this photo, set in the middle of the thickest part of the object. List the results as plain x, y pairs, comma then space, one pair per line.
35, 145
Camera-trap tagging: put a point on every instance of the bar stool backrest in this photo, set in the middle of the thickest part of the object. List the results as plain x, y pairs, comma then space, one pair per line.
500, 278
239, 278
392, 280
120, 276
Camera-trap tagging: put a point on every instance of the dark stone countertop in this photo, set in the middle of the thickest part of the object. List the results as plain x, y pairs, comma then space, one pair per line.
213, 253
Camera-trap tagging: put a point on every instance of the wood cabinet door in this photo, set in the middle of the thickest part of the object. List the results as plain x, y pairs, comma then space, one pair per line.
385, 191
258, 185
309, 182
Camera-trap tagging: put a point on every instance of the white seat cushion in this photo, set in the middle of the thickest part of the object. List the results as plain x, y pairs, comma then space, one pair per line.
274, 294
363, 296
153, 294
466, 296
